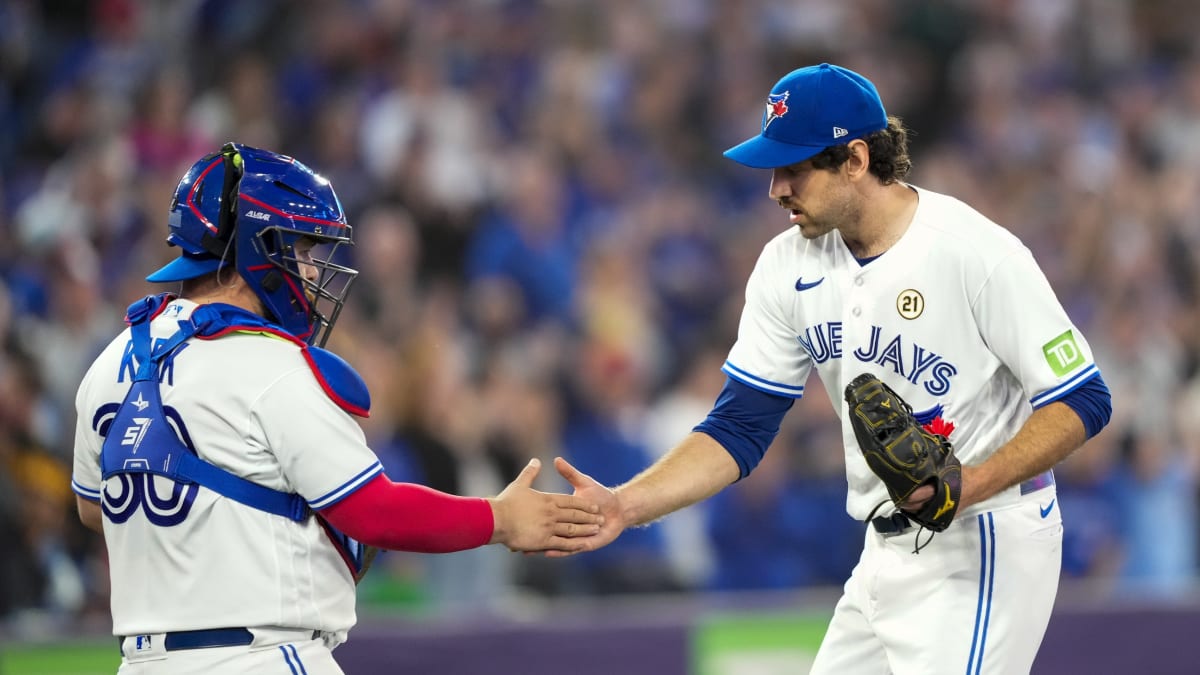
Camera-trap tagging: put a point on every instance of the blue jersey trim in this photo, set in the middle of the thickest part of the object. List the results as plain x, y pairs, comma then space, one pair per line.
754, 382
289, 655
983, 604
287, 658
85, 492
342, 491
744, 421
1063, 389
987, 615
296, 656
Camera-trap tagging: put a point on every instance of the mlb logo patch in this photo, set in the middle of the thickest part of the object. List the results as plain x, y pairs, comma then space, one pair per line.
141, 643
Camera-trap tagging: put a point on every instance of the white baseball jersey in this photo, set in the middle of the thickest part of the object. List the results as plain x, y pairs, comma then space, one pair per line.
957, 317
249, 404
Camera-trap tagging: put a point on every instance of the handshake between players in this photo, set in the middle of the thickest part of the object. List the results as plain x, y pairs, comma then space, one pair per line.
525, 519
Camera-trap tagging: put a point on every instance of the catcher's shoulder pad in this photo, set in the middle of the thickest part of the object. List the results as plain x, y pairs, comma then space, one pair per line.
337, 378
340, 381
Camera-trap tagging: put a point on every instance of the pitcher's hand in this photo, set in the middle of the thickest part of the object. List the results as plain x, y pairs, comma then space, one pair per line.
918, 498
528, 520
592, 492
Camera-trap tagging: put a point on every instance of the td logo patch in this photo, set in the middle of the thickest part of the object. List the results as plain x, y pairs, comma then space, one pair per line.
1063, 354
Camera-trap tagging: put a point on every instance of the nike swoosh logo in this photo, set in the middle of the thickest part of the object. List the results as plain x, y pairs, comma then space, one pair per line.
1049, 507
801, 286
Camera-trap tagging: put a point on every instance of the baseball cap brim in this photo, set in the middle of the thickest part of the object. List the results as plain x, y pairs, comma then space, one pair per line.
761, 152
185, 267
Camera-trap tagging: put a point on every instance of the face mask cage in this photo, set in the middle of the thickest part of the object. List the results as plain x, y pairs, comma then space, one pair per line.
308, 289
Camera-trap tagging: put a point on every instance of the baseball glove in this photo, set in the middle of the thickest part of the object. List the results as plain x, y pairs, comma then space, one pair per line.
902, 453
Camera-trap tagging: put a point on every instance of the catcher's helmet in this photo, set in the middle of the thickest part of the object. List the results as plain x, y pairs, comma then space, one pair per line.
259, 211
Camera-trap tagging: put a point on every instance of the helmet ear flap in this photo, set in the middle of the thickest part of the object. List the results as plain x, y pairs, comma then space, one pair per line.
219, 244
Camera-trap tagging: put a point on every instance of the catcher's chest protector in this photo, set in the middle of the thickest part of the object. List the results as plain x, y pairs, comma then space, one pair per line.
142, 439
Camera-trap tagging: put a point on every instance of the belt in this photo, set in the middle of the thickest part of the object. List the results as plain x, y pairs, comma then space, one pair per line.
206, 639
898, 522
1043, 479
893, 524
201, 639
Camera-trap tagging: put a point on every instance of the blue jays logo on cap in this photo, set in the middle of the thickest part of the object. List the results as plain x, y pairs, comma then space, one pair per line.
776, 108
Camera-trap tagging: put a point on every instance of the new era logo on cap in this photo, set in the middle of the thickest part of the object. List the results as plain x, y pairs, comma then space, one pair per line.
803, 108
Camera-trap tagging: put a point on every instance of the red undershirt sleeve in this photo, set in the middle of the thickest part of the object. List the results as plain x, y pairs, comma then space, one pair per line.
409, 517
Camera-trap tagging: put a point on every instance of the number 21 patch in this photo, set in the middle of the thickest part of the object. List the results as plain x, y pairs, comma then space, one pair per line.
1063, 354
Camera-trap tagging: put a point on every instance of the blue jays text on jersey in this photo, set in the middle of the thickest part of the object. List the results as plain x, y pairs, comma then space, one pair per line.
915, 363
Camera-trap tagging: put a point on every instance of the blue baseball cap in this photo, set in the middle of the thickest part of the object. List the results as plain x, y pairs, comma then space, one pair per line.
809, 110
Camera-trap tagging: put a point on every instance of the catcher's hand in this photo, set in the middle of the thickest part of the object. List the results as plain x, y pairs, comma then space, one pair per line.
902, 453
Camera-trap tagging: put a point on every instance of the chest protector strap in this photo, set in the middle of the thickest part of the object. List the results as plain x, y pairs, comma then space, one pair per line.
142, 439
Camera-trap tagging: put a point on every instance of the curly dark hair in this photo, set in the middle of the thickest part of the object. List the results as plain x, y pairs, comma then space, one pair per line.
887, 148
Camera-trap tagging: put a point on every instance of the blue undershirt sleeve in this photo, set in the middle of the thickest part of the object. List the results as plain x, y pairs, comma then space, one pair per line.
1092, 401
745, 421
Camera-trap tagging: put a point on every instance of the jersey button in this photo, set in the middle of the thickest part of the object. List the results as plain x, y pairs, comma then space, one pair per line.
856, 311
858, 281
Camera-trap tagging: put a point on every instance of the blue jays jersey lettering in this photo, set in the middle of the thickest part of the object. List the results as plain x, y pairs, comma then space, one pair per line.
910, 360
956, 317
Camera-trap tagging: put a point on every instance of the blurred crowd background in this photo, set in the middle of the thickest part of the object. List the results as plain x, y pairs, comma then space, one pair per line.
554, 251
